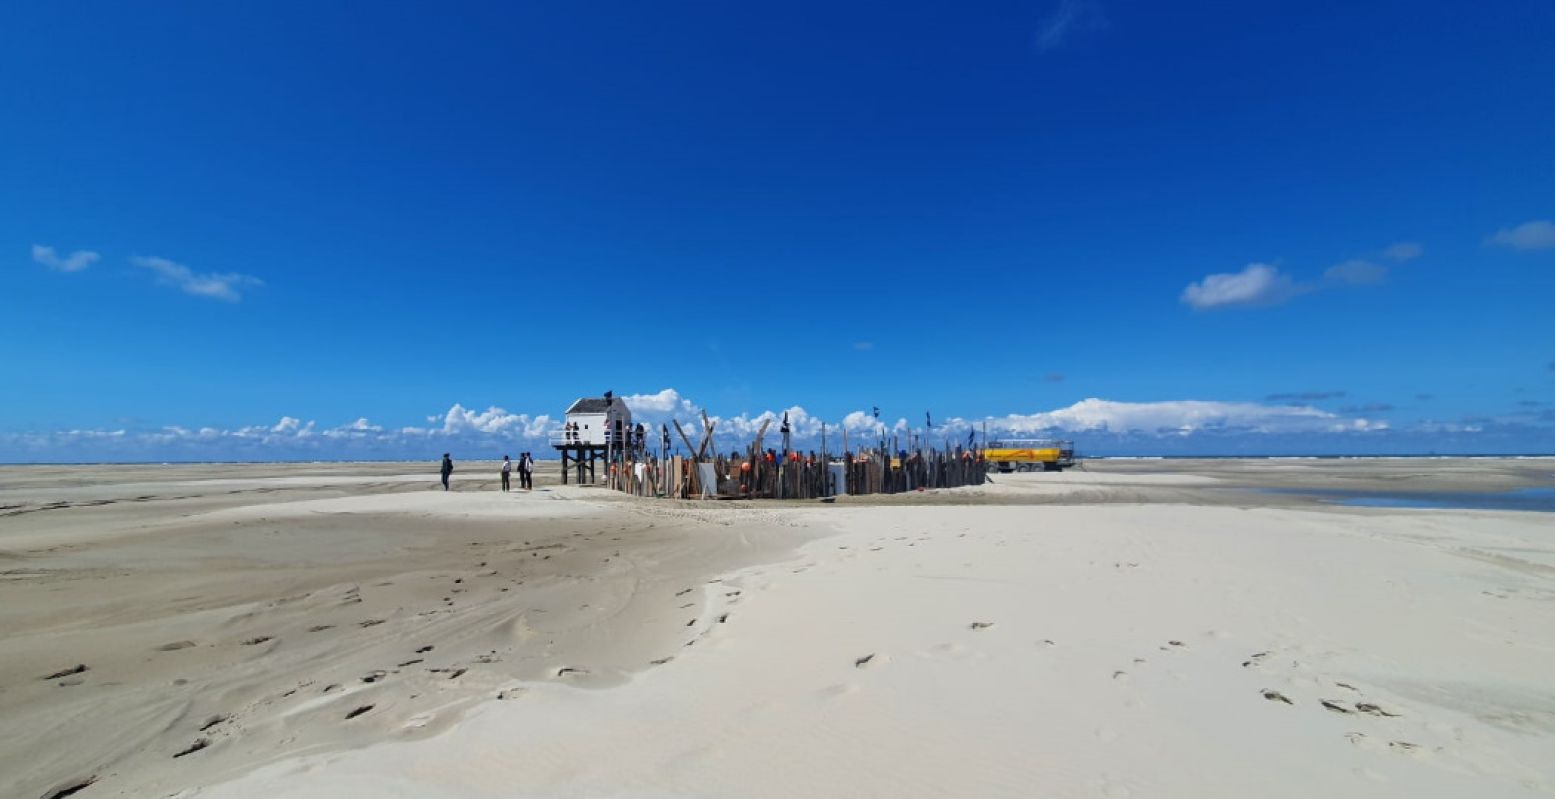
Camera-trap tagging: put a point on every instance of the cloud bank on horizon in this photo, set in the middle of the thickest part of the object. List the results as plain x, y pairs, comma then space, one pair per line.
1099, 426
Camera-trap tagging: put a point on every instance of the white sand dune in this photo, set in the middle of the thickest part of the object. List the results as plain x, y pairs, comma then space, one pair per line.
1150, 634
1085, 652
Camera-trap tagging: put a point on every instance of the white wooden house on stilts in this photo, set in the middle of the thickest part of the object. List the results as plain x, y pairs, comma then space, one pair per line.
595, 428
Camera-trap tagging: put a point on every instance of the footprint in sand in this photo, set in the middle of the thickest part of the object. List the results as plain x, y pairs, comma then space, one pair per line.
175, 646
192, 748
78, 669
359, 711
980, 625
71, 788
259, 640
863, 661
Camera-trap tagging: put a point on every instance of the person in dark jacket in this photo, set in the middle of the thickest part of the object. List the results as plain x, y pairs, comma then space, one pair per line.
507, 472
526, 472
447, 469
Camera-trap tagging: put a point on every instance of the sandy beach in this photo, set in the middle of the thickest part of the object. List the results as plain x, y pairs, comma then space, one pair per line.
1135, 628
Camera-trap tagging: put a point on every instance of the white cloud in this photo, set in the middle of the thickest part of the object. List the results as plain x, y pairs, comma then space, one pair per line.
1180, 417
216, 285
360, 427
860, 420
74, 262
667, 401
1357, 271
1538, 234
492, 421
1403, 251
1258, 284
89, 434
1070, 16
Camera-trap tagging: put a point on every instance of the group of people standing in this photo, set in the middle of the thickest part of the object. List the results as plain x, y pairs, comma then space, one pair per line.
526, 471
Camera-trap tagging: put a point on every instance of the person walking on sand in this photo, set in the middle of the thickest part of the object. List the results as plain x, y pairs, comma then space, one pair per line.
507, 471
526, 472
447, 469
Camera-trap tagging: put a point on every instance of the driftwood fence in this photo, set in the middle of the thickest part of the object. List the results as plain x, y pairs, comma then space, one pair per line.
769, 474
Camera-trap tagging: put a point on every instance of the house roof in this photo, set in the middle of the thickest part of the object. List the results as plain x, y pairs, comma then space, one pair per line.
589, 405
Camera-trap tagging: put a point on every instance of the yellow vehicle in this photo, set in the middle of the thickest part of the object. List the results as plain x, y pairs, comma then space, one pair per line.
1029, 455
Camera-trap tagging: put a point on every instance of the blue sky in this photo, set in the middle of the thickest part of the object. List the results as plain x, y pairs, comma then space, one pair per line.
1150, 228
